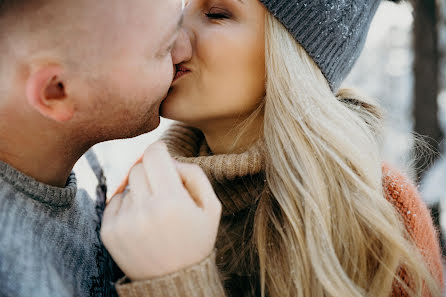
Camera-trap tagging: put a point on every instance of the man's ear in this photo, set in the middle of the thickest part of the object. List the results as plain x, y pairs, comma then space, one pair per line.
46, 92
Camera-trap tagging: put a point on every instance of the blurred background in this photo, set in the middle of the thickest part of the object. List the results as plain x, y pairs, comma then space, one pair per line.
403, 66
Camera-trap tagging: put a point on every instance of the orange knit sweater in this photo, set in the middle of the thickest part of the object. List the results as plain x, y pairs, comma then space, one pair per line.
397, 188
402, 193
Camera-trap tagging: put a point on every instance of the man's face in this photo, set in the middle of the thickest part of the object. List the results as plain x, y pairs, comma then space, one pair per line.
131, 65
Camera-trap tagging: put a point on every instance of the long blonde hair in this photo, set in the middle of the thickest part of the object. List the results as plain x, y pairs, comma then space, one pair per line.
324, 227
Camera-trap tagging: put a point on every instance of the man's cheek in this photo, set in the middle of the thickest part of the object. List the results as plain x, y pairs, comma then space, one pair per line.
170, 69
167, 74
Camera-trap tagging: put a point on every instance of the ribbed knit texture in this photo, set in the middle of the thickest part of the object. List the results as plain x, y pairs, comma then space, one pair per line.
201, 280
333, 32
235, 175
238, 181
404, 196
48, 239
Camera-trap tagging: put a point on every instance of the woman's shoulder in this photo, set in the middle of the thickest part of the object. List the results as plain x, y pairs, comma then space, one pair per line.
404, 195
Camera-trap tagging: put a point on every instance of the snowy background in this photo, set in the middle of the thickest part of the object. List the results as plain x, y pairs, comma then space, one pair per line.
384, 72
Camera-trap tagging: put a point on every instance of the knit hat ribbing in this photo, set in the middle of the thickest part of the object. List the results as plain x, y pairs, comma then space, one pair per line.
333, 32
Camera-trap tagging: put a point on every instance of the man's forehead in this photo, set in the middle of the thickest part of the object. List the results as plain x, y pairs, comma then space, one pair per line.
146, 21
171, 8
161, 21
177, 5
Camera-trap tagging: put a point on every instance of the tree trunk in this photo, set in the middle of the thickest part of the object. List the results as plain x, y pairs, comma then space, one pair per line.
426, 70
427, 88
442, 47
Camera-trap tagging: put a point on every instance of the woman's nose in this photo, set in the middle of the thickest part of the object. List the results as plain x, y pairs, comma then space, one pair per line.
182, 50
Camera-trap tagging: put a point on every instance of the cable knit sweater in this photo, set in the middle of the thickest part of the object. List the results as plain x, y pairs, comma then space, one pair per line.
238, 180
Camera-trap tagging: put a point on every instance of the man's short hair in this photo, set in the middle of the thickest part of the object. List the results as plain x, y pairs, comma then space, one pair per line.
8, 5
17, 6
5, 4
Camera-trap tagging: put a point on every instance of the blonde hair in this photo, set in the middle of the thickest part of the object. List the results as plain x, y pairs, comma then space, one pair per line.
323, 227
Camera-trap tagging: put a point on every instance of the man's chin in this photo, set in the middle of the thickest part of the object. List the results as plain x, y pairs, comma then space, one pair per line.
156, 124
153, 122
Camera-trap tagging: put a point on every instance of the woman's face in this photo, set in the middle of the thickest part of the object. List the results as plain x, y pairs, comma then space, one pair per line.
224, 79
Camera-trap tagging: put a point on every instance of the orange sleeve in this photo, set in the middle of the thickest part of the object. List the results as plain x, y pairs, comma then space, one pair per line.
402, 193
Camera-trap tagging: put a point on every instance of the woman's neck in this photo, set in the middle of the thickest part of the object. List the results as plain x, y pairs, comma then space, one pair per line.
232, 136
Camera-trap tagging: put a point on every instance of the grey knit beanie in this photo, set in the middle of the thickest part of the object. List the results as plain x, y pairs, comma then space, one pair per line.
333, 32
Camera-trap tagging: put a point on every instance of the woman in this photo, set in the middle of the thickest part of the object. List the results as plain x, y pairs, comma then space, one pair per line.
308, 207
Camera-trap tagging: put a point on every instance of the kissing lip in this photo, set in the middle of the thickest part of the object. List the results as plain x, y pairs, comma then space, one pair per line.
180, 71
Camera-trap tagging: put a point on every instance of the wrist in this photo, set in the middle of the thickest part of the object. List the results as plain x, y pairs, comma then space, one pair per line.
172, 270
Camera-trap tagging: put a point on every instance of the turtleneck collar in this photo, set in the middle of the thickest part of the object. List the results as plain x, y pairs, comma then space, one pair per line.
43, 193
238, 179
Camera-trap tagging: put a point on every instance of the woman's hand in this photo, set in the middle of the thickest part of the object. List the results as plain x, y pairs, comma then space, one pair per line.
166, 222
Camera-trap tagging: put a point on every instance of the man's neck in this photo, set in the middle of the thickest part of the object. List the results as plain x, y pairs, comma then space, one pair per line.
46, 158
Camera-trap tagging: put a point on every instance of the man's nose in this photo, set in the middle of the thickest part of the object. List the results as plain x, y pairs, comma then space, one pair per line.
182, 50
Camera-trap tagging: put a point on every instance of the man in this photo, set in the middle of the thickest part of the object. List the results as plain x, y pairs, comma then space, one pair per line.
72, 74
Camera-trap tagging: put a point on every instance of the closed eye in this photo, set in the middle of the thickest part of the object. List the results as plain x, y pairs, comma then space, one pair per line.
217, 16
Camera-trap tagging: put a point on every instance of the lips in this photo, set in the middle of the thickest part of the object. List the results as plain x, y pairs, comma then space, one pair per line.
180, 71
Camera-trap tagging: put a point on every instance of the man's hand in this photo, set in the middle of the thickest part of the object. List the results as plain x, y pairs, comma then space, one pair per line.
166, 222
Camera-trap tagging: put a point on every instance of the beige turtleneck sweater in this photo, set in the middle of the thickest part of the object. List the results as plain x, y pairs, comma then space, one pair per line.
238, 181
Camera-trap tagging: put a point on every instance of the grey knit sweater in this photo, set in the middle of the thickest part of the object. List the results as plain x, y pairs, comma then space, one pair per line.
49, 244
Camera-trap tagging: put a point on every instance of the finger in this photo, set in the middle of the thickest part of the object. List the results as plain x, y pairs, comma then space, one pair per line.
123, 186
138, 183
127, 202
199, 187
161, 171
112, 209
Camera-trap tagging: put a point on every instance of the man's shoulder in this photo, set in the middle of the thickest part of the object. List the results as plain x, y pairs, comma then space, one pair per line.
8, 189
23, 214
44, 243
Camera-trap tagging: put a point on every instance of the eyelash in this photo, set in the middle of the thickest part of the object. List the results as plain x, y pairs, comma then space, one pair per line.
218, 16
